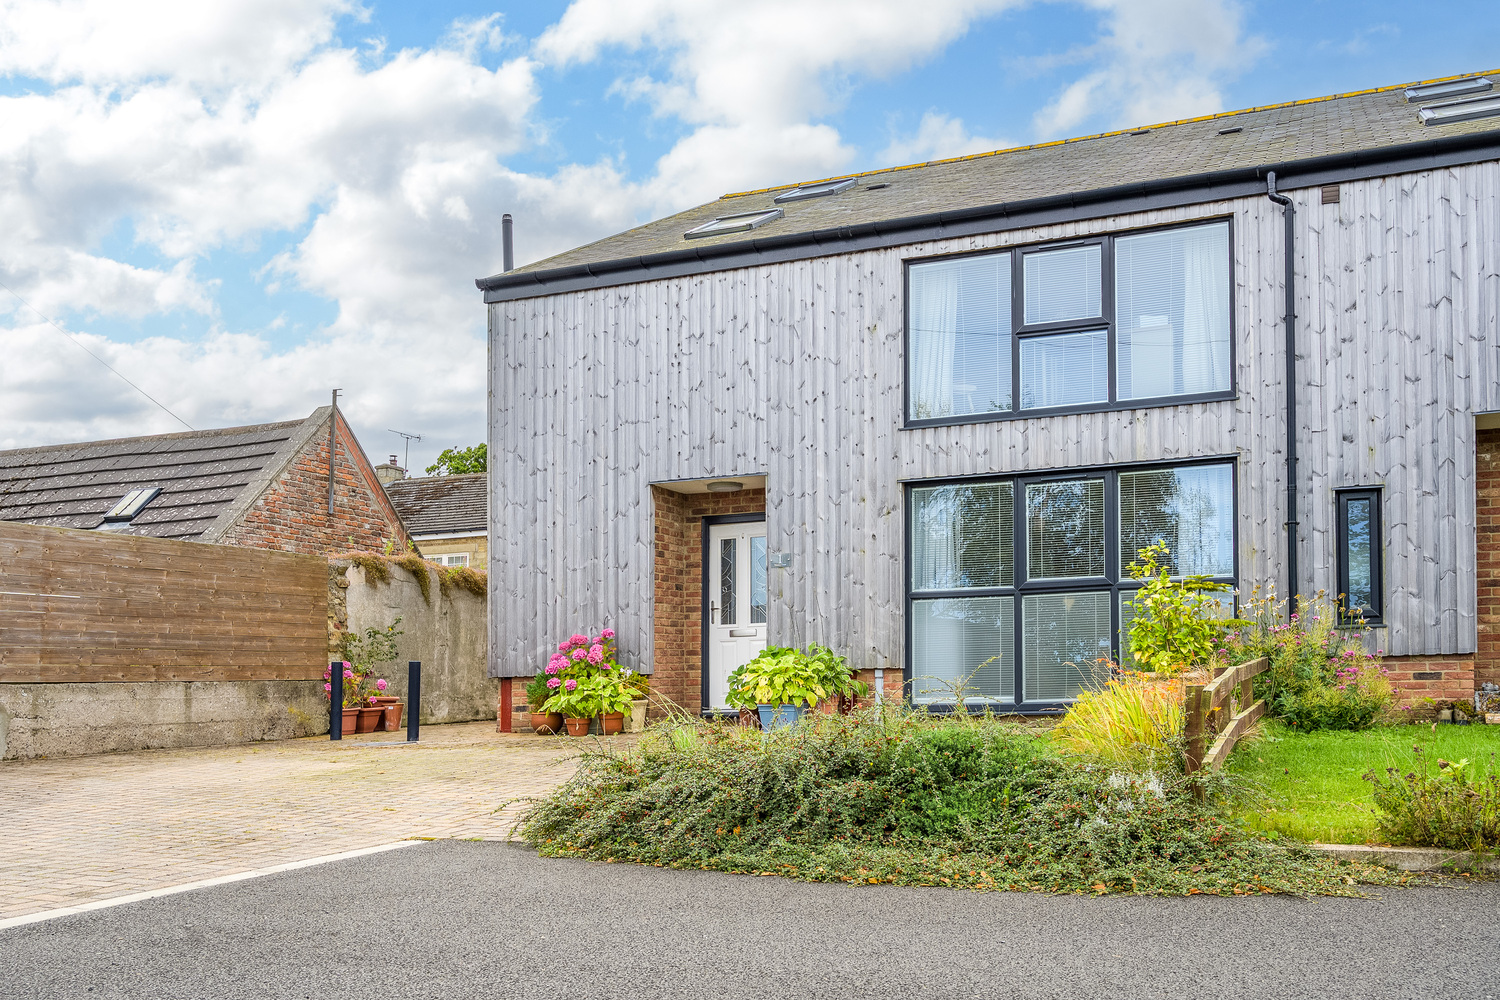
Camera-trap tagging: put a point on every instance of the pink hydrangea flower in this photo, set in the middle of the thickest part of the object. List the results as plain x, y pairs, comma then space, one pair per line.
608, 633
348, 675
327, 687
572, 684
553, 668
554, 682
579, 654
557, 662
381, 684
596, 655
579, 640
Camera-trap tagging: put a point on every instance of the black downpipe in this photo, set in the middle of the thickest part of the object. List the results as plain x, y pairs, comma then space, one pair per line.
507, 250
1289, 214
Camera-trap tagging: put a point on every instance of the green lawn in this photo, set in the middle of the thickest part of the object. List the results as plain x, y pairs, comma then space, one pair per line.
1311, 784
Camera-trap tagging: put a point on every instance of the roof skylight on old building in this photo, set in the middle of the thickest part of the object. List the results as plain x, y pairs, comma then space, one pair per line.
820, 190
1449, 88
740, 223
131, 504
1461, 111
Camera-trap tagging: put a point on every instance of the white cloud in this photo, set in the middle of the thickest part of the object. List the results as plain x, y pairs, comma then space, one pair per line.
752, 76
1158, 60
937, 137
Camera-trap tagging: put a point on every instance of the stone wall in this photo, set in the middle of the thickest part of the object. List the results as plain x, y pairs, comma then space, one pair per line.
447, 631
65, 720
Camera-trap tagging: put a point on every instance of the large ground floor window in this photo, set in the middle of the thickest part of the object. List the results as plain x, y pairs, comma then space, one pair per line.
1021, 585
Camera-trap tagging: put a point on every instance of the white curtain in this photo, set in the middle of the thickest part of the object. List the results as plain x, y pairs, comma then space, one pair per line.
1205, 321
934, 339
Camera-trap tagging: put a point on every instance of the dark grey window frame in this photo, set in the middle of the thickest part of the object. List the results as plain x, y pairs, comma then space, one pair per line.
1375, 615
1021, 587
1020, 330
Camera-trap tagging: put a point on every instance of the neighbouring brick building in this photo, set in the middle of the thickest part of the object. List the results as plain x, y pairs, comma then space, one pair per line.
446, 515
263, 486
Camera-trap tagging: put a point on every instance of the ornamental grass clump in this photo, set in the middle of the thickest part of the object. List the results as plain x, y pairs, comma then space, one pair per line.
1458, 808
890, 795
1129, 723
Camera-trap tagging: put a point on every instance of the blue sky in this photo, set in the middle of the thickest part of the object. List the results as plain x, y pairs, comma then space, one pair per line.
242, 205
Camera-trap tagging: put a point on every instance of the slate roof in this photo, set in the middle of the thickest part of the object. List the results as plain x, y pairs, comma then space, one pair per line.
203, 475
1277, 134
442, 505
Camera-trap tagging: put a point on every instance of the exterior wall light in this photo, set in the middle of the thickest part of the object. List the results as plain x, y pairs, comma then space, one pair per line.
724, 486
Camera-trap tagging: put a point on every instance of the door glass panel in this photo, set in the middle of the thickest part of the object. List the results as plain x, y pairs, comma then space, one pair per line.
960, 337
961, 536
1065, 529
954, 638
727, 576
1063, 284
1190, 509
1064, 639
1361, 579
757, 580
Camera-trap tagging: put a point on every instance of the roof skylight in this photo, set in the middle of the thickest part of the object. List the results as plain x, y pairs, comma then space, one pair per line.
820, 190
1461, 111
740, 223
1451, 88
131, 504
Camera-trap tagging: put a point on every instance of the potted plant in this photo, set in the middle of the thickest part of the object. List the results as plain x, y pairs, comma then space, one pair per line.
576, 701
390, 704
843, 688
614, 698
362, 651
353, 689
537, 692
778, 683
640, 691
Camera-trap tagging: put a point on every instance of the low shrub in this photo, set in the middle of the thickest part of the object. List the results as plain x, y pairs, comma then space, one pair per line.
1458, 808
1129, 723
1178, 623
1320, 675
890, 795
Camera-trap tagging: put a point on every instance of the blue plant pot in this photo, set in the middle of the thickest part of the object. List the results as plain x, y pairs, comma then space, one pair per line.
778, 717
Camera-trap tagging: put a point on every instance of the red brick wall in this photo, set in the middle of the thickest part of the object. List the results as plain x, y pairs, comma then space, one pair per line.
677, 617
1487, 562
1442, 678
293, 514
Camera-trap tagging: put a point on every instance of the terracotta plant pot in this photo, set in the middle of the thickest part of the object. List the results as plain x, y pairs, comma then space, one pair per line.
578, 726
351, 721
392, 721
546, 723
369, 718
613, 722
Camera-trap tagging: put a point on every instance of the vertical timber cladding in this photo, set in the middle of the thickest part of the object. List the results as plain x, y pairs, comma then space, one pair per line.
81, 606
796, 370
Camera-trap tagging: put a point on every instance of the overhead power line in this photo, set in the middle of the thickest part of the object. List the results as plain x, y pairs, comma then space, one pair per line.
85, 350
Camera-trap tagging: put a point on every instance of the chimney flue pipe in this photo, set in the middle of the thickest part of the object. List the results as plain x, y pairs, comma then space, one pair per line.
507, 247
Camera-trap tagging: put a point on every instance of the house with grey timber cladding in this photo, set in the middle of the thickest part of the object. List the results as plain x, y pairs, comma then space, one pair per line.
928, 415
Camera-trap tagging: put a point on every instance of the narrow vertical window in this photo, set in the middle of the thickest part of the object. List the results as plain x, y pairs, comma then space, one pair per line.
1361, 588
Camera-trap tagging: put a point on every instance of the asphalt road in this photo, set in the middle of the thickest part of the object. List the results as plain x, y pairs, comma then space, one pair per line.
471, 919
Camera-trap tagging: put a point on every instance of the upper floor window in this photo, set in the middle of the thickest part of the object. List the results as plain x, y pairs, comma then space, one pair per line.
1092, 324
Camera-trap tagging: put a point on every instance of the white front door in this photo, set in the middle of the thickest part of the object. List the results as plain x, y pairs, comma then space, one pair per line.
737, 602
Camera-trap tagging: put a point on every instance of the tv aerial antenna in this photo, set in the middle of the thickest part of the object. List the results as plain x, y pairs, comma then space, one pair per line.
409, 439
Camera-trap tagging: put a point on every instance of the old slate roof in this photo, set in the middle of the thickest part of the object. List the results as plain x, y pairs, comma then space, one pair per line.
1300, 132
203, 475
441, 505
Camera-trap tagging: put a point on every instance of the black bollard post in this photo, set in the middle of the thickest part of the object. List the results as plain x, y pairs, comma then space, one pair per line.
336, 701
413, 699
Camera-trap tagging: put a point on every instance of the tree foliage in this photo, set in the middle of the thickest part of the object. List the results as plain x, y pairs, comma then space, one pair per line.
460, 461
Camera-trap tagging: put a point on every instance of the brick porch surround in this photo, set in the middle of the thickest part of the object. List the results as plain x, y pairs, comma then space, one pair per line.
1487, 554
677, 621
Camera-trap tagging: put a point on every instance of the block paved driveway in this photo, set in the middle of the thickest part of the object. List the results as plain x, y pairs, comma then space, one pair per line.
74, 830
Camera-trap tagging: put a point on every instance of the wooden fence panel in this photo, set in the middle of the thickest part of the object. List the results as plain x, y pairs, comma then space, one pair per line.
97, 606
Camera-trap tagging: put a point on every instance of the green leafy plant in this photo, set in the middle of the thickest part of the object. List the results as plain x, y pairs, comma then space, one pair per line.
892, 795
1320, 676
537, 692
1458, 808
362, 652
779, 675
834, 674
460, 461
1128, 723
1178, 623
